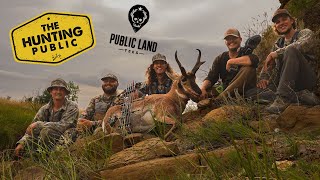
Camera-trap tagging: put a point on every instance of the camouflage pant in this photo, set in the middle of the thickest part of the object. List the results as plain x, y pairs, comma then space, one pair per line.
44, 139
47, 137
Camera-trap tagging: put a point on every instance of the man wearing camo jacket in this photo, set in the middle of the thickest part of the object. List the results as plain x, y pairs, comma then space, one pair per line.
51, 121
290, 65
92, 117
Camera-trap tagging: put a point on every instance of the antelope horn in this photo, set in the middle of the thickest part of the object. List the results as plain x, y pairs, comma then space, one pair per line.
183, 71
198, 63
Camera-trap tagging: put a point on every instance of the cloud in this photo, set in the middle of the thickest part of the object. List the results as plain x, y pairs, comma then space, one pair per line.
183, 25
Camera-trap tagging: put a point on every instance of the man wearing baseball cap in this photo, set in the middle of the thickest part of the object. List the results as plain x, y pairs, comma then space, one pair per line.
291, 62
236, 72
92, 117
52, 119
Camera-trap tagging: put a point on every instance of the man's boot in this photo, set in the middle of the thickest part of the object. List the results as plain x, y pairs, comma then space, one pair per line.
278, 105
308, 98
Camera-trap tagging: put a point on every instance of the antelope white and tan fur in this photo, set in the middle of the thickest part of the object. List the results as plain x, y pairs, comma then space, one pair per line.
165, 108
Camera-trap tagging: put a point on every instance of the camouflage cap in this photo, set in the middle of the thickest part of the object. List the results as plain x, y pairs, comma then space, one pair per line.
159, 57
109, 75
58, 83
278, 13
232, 32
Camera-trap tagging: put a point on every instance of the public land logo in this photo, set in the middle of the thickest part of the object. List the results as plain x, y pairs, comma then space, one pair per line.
52, 38
138, 17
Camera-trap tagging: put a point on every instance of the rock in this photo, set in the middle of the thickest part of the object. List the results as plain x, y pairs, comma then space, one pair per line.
145, 150
300, 119
267, 124
166, 167
284, 165
9, 168
227, 113
309, 150
311, 17
97, 144
132, 139
31, 173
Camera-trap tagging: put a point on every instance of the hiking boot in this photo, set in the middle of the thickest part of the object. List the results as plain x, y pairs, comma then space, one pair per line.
278, 105
308, 98
266, 97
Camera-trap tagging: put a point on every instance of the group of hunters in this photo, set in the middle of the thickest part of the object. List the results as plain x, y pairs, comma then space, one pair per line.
286, 77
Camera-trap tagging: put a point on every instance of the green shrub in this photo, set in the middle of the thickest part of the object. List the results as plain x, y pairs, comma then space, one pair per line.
14, 119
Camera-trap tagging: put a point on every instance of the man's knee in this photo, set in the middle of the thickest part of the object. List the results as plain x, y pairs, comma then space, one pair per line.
291, 51
248, 74
48, 135
247, 71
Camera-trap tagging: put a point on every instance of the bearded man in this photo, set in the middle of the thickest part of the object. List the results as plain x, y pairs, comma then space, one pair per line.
92, 117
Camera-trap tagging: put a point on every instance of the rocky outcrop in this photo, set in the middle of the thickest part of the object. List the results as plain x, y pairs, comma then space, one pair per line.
143, 151
227, 113
298, 119
164, 167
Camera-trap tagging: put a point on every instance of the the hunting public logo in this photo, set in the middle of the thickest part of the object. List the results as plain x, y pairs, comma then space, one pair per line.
138, 17
52, 38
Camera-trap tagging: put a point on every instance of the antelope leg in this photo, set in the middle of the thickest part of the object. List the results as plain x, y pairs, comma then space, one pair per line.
172, 122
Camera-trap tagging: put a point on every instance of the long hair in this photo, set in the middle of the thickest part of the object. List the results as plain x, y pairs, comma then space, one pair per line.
151, 75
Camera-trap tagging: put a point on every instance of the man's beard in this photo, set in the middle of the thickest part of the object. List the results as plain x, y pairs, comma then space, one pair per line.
109, 90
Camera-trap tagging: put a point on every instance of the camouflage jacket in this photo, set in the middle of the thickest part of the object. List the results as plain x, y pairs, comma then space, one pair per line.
302, 40
61, 120
99, 105
156, 88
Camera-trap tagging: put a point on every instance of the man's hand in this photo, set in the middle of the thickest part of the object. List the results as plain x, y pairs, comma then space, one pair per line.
204, 94
31, 127
230, 62
84, 124
263, 83
228, 66
17, 150
269, 60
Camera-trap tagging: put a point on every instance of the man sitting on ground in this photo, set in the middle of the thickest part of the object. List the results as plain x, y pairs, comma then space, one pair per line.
289, 65
237, 73
51, 121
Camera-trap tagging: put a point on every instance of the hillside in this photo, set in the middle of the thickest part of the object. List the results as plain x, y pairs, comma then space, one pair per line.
14, 119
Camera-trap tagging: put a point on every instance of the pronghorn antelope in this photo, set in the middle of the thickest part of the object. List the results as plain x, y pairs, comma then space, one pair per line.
165, 108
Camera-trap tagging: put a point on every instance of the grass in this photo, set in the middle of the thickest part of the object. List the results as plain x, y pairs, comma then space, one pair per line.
252, 157
14, 118
60, 163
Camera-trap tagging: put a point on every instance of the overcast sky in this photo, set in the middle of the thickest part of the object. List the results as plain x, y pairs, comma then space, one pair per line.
181, 25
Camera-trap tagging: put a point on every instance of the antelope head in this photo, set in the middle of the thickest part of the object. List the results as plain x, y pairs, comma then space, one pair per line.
187, 85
